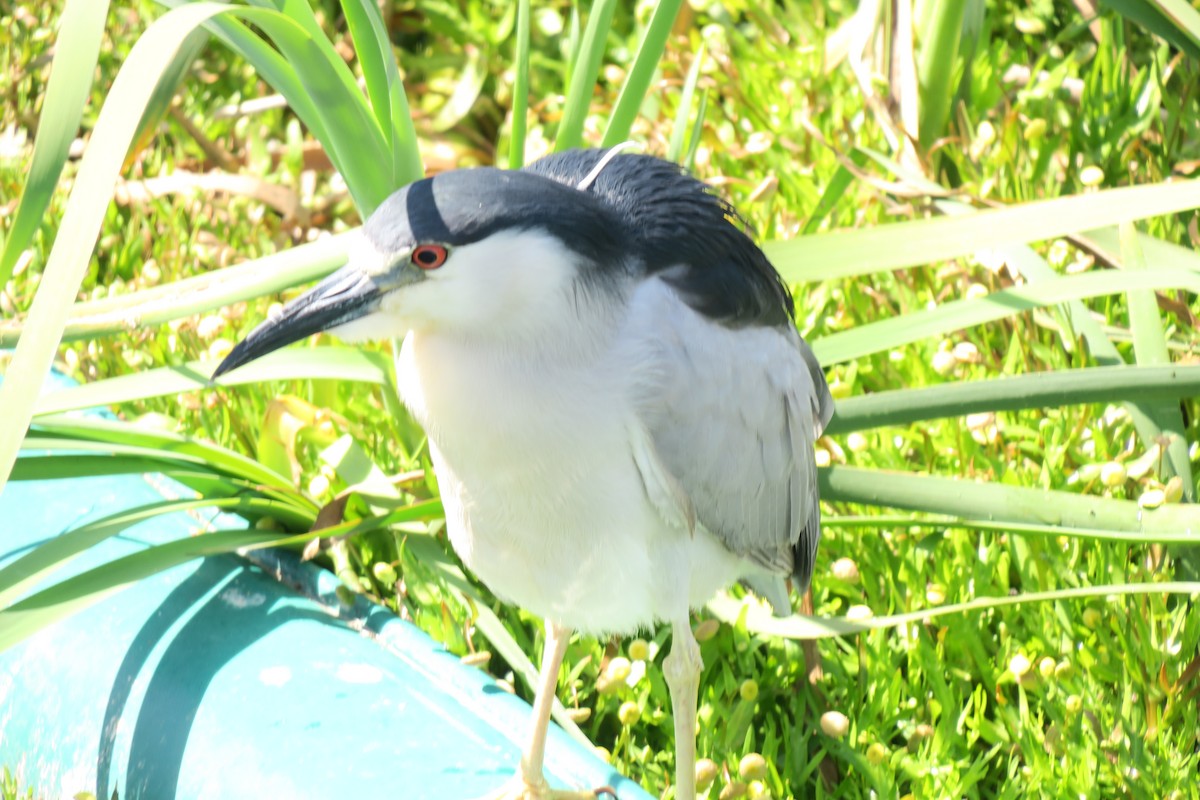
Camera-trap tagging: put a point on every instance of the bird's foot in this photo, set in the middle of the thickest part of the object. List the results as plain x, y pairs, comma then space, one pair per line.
520, 788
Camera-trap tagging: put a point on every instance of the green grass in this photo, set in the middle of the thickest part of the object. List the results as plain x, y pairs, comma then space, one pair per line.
11, 790
1092, 696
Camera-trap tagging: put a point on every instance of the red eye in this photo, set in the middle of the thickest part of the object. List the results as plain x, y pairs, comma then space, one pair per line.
429, 256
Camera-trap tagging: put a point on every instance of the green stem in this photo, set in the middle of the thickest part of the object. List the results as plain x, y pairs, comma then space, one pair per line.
935, 67
1000, 503
1036, 390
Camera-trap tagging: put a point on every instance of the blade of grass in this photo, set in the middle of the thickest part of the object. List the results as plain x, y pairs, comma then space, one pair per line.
77, 49
75, 430
958, 314
834, 190
54, 458
1172, 20
164, 93
1186, 18
941, 523
689, 158
1034, 268
520, 109
1002, 503
298, 363
936, 56
272, 67
94, 183
199, 293
1157, 252
1035, 390
1150, 348
645, 64
50, 605
845, 254
760, 620
21, 574
304, 67
584, 69
472, 74
373, 46
202, 481
675, 147
354, 133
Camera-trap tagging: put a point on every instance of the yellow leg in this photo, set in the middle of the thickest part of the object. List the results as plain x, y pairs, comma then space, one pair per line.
682, 668
530, 781
552, 656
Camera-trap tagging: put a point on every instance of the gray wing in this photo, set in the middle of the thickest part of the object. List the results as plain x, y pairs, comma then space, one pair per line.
732, 414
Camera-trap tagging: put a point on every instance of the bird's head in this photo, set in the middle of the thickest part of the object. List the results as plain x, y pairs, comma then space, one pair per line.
470, 251
507, 254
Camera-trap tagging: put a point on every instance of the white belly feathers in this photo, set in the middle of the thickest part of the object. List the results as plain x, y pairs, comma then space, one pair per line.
543, 498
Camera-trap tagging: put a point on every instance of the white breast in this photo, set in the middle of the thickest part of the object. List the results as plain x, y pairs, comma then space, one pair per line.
543, 499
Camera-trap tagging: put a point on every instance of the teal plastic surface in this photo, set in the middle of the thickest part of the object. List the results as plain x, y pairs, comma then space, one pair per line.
219, 680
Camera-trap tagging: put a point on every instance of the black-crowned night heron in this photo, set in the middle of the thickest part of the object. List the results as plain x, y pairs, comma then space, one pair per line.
620, 411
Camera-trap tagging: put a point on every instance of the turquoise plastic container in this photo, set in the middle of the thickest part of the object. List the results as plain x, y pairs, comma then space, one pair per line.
222, 679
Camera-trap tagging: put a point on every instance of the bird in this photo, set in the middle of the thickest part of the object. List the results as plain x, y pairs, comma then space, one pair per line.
619, 408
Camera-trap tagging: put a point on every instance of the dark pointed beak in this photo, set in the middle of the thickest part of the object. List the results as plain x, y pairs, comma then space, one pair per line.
344, 296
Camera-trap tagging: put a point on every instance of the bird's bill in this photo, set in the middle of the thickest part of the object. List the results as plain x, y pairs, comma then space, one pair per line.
343, 297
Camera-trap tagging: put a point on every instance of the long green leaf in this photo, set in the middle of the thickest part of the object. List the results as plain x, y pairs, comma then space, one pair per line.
834, 189
94, 183
57, 467
75, 54
1150, 348
935, 66
1002, 503
906, 244
1157, 252
1032, 267
958, 314
167, 87
78, 430
268, 64
297, 363
1185, 17
679, 129
520, 109
583, 75
1037, 390
467, 88
50, 605
52, 458
942, 522
304, 68
637, 81
354, 135
199, 293
1173, 20
689, 158
19, 575
385, 88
